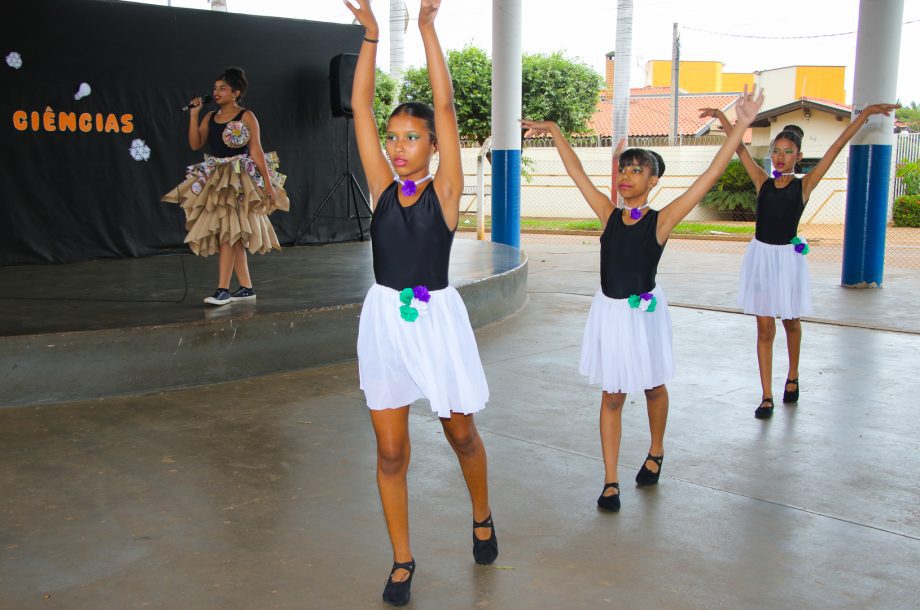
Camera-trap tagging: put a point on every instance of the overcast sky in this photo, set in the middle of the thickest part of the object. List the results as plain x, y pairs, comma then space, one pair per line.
585, 29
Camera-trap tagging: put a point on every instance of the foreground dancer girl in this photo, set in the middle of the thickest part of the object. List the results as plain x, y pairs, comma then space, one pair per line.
414, 338
627, 339
228, 197
774, 275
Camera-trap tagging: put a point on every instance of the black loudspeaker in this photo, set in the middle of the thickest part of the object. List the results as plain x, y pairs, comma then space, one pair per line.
341, 75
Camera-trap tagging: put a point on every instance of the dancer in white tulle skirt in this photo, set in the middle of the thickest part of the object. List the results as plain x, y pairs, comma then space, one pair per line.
414, 338
627, 339
774, 274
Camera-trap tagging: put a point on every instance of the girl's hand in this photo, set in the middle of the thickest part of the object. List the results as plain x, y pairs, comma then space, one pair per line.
710, 113
748, 106
269, 190
364, 15
194, 106
879, 109
538, 126
428, 11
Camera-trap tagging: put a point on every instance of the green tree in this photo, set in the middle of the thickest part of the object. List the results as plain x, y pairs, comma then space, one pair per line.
734, 191
560, 89
909, 114
471, 75
554, 87
384, 97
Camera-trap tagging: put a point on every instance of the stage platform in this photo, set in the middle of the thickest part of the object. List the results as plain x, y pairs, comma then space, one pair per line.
105, 327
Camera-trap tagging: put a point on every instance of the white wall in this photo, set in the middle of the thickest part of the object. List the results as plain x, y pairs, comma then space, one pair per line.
820, 132
551, 194
778, 86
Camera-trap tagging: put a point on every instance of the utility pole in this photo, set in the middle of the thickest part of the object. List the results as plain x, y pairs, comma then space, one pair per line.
675, 85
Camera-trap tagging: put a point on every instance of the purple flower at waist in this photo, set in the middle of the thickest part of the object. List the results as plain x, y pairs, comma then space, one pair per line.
421, 293
646, 296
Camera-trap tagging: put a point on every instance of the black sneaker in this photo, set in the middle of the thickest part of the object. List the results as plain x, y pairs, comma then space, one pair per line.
243, 294
220, 297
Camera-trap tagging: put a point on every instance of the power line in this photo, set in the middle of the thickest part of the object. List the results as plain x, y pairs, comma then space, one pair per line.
733, 35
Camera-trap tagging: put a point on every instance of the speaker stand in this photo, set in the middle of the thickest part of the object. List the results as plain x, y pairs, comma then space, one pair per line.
352, 190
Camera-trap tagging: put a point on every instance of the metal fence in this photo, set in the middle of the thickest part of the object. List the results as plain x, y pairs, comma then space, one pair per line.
552, 209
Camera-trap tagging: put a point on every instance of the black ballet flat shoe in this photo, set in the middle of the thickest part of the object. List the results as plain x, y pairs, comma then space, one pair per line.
792, 396
485, 551
612, 502
646, 476
397, 593
764, 412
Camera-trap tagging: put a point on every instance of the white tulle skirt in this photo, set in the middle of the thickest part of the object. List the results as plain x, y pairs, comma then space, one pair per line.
774, 282
627, 350
433, 357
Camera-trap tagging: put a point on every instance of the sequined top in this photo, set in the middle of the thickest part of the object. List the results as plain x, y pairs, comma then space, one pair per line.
215, 137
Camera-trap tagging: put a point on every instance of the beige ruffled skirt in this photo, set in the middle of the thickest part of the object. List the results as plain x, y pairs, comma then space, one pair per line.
224, 202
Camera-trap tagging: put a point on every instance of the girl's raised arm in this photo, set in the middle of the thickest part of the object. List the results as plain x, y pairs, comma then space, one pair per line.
757, 174
747, 108
376, 169
811, 179
599, 202
449, 179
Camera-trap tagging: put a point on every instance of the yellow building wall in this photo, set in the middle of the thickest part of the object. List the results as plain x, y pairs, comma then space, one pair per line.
735, 81
695, 76
826, 82
659, 73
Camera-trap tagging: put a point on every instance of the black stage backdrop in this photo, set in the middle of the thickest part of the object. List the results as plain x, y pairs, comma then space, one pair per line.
71, 188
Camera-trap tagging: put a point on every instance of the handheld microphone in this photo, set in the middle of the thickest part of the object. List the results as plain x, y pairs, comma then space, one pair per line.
204, 100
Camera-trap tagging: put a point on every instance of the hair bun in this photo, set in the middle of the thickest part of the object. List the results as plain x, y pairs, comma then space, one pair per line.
795, 129
660, 162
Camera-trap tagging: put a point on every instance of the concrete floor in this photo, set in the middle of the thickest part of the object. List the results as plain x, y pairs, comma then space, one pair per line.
260, 493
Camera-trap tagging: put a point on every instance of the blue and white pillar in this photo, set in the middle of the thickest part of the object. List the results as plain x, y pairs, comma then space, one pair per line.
878, 42
506, 131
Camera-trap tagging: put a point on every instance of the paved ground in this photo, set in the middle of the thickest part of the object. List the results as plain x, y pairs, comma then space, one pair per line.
260, 493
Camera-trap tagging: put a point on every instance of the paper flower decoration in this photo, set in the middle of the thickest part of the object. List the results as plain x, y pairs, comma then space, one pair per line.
410, 187
139, 150
643, 302
236, 134
414, 303
14, 60
800, 245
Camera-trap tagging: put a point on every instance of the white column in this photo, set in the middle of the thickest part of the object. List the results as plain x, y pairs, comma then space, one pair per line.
878, 42
399, 19
622, 69
506, 131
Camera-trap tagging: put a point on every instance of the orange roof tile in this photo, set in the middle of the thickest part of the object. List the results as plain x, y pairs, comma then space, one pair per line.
650, 115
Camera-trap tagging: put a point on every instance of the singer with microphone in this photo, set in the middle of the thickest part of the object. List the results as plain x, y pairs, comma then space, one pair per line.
228, 197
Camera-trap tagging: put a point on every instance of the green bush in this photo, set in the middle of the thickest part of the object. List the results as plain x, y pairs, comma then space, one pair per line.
907, 211
734, 191
909, 173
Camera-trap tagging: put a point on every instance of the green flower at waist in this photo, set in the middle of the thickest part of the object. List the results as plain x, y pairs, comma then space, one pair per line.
644, 302
409, 314
801, 246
